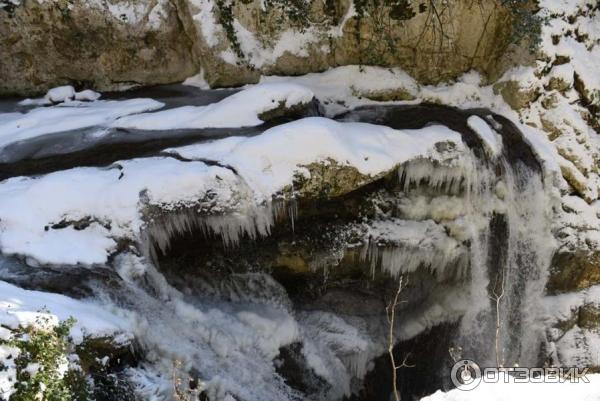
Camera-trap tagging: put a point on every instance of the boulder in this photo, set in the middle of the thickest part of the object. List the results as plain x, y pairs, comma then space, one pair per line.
573, 271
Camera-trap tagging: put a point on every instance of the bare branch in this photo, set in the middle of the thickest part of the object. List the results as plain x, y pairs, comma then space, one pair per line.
391, 316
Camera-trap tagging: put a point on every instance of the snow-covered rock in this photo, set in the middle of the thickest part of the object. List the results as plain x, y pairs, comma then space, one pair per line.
22, 308
60, 94
243, 109
78, 215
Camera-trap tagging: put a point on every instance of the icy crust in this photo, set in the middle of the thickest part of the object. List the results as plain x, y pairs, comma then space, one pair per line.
401, 246
231, 332
68, 116
22, 308
77, 216
80, 215
242, 109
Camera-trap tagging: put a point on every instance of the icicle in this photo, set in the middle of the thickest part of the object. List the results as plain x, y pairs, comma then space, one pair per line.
402, 246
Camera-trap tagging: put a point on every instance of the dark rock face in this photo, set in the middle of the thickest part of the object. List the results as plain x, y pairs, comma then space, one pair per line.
427, 363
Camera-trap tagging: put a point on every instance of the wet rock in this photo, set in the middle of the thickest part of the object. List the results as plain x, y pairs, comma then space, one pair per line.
589, 316
104, 361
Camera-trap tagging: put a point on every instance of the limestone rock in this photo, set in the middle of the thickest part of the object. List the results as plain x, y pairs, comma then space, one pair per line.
117, 43
517, 97
572, 271
92, 44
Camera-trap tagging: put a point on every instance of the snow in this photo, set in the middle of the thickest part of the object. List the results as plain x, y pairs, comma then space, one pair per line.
371, 149
342, 88
257, 51
19, 307
197, 81
87, 95
29, 207
68, 116
339, 88
8, 374
491, 140
60, 94
572, 345
114, 199
511, 391
126, 11
158, 14
291, 41
207, 21
242, 109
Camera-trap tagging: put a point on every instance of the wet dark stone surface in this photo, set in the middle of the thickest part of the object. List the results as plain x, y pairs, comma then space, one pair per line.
429, 361
422, 115
72, 281
291, 364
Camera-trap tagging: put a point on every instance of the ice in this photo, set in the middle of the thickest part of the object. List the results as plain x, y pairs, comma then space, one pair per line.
491, 140
69, 116
242, 109
401, 246
338, 350
252, 223
39, 214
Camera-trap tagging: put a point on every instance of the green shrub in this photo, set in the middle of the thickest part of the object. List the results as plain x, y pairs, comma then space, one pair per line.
48, 348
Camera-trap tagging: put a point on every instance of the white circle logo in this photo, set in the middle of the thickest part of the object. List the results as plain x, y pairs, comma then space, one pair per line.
466, 375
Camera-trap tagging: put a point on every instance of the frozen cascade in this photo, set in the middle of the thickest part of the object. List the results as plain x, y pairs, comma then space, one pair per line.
485, 222
231, 334
237, 282
466, 220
